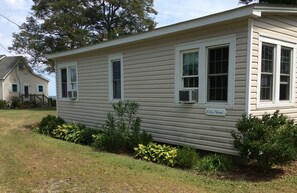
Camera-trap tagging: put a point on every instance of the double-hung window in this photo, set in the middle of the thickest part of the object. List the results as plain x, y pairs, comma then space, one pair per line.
206, 66
275, 73
190, 76
68, 81
115, 77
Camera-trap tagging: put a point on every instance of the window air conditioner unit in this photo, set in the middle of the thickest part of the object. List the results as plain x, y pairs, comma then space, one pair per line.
188, 96
72, 95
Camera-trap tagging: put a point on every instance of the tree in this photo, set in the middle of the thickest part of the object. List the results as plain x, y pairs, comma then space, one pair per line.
288, 2
60, 25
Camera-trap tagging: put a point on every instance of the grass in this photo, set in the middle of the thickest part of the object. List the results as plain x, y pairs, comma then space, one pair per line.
34, 163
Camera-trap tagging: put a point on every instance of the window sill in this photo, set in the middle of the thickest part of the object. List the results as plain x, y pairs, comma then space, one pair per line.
263, 105
111, 101
206, 105
67, 99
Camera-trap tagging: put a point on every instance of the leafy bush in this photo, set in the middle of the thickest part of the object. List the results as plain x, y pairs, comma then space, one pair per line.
75, 132
187, 157
15, 102
214, 163
154, 152
48, 124
3, 104
266, 141
122, 129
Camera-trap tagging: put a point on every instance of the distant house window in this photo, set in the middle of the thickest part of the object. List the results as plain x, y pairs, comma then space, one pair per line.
218, 62
21, 66
14, 88
276, 78
116, 77
68, 81
40, 88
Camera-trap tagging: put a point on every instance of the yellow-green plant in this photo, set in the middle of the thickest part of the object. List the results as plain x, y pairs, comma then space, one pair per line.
158, 153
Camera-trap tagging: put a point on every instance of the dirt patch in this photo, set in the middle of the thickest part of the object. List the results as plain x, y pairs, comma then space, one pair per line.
253, 174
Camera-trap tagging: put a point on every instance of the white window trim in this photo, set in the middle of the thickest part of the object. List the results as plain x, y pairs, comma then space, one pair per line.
38, 85
275, 92
110, 77
203, 46
62, 66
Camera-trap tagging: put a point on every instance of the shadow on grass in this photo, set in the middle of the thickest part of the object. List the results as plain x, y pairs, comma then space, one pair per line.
252, 174
43, 109
30, 127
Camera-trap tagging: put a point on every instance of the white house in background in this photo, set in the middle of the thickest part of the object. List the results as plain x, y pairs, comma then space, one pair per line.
18, 79
193, 80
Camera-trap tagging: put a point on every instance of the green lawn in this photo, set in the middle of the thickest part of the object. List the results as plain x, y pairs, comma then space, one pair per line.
34, 163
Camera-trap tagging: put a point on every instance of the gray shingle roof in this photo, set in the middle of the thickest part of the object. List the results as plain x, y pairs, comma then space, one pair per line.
6, 64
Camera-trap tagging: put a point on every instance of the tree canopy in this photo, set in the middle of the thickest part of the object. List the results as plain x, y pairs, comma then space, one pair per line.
60, 25
287, 2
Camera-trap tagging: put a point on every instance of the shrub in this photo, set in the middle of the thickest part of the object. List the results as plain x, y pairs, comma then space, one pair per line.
154, 152
3, 104
214, 163
187, 157
75, 132
122, 129
15, 102
266, 141
48, 124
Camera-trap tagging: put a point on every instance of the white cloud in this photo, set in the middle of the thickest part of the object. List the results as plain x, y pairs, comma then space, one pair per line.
18, 4
173, 11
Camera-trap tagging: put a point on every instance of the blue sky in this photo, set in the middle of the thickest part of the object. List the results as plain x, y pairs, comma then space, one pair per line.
169, 12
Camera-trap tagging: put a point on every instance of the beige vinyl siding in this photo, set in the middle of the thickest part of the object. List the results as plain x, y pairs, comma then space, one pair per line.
279, 27
149, 78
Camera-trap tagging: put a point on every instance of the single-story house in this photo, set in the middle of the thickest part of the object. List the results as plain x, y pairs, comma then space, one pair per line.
18, 79
193, 80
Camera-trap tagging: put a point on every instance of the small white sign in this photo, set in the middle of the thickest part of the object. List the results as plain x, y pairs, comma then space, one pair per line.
215, 112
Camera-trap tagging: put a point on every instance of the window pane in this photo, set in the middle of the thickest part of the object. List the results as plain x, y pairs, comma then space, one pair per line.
285, 61
14, 88
64, 83
116, 65
117, 89
40, 88
190, 64
218, 59
191, 82
116, 72
267, 62
267, 58
284, 90
72, 73
218, 88
266, 87
218, 62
